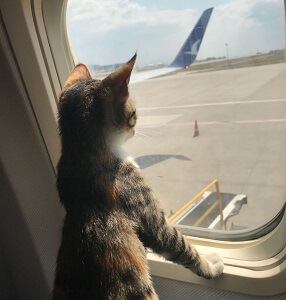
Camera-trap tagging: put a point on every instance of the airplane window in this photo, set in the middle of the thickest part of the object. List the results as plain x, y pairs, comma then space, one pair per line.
209, 85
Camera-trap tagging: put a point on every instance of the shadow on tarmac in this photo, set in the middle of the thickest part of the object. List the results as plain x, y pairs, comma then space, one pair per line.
146, 161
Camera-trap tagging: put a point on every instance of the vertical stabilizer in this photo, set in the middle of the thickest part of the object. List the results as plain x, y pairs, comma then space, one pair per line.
190, 48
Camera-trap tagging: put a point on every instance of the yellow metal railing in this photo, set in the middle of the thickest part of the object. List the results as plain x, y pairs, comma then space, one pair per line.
208, 211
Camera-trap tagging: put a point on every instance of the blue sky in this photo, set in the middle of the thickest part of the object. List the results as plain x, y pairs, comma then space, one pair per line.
110, 31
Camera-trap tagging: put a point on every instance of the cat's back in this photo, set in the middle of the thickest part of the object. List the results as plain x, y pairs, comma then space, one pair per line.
78, 182
98, 217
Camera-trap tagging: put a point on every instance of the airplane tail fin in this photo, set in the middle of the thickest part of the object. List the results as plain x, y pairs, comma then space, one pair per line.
190, 48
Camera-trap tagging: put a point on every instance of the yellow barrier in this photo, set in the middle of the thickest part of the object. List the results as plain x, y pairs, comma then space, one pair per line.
217, 203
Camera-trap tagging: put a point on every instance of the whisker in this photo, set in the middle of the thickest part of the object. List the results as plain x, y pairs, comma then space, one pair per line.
144, 135
138, 135
140, 139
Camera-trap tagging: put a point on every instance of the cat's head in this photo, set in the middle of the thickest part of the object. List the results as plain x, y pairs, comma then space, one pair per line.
95, 113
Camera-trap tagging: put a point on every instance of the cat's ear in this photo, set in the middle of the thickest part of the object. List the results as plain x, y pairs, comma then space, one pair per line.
118, 80
79, 73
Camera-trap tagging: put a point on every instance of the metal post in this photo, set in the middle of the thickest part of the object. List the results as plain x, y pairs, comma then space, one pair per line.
201, 219
191, 201
219, 205
285, 27
227, 56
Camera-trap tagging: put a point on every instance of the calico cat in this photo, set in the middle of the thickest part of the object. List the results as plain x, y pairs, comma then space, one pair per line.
112, 214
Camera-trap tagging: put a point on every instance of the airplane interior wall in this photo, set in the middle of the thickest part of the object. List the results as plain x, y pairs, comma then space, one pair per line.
30, 213
7, 289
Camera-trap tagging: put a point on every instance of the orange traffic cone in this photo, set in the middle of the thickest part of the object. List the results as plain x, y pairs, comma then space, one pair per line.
196, 131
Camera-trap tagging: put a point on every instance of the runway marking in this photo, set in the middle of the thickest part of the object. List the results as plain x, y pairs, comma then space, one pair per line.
213, 104
155, 121
260, 121
159, 124
231, 122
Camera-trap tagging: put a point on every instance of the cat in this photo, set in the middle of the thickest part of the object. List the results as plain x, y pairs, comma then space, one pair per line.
112, 215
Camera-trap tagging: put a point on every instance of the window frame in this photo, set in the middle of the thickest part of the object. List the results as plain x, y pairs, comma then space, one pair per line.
235, 235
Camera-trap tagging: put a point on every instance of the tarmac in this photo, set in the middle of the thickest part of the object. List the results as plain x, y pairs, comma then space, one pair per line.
241, 117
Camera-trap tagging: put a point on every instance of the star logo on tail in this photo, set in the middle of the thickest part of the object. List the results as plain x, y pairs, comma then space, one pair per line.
194, 48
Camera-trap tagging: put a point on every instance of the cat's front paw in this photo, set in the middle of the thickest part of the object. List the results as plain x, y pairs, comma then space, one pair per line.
211, 266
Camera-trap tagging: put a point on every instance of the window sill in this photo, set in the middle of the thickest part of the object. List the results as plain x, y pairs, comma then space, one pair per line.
250, 267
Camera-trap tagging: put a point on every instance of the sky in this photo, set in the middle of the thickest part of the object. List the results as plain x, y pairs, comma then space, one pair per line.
111, 31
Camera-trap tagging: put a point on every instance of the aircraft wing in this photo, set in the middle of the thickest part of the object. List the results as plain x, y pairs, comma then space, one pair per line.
140, 76
187, 54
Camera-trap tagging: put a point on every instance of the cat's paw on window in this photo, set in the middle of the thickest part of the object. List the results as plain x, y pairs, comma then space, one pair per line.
211, 266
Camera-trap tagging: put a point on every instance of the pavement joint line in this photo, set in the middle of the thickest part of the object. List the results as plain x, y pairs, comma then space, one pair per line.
215, 123
213, 104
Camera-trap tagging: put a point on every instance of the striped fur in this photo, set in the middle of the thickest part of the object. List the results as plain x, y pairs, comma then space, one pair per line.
112, 214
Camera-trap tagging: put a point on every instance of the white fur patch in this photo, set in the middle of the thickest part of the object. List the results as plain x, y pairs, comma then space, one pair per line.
214, 266
131, 159
116, 142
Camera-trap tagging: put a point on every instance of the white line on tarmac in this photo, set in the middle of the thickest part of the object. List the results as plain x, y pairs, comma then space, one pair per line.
151, 125
231, 122
213, 104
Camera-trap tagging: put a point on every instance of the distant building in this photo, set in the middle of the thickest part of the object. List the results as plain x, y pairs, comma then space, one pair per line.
94, 68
